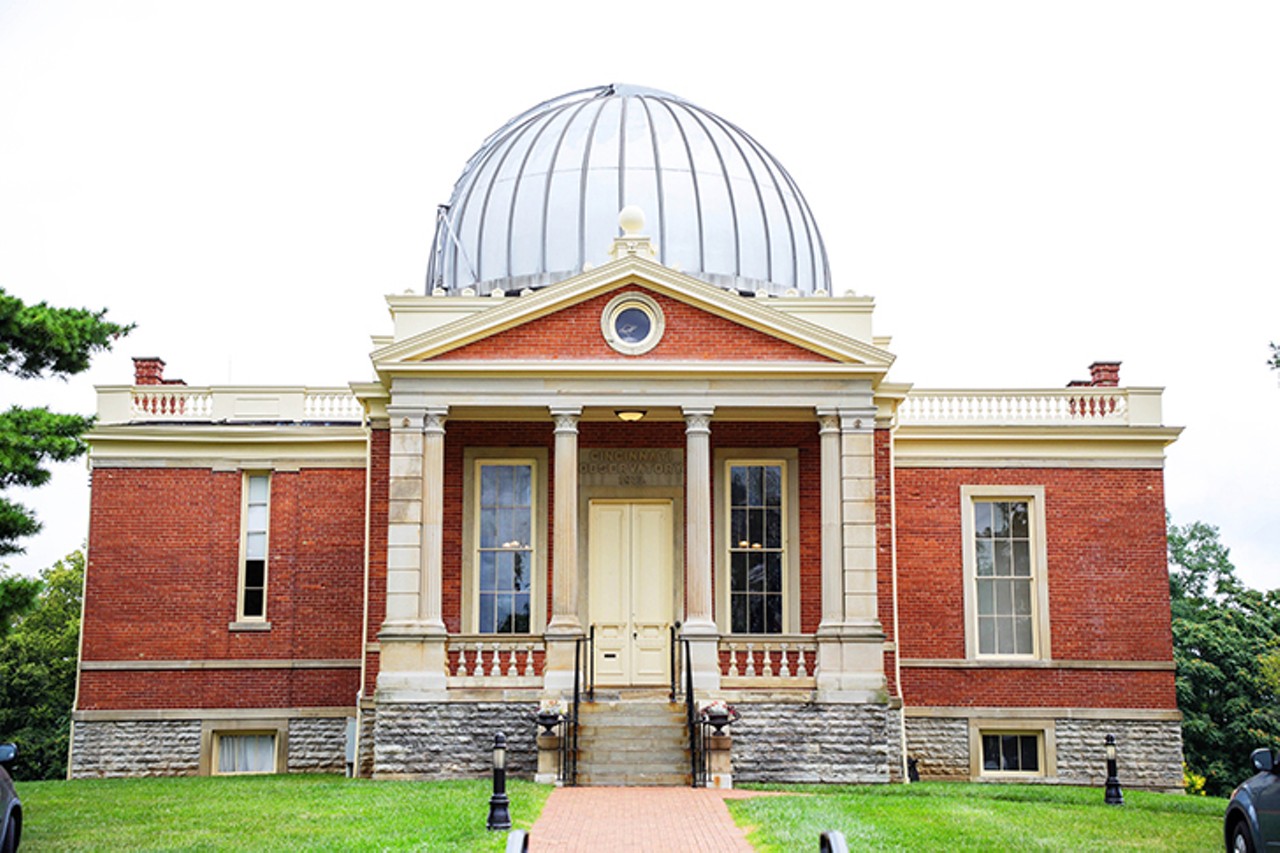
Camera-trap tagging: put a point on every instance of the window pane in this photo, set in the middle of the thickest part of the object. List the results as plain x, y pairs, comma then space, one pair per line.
773, 572
522, 613
738, 606
522, 490
756, 610
256, 517
755, 528
502, 616
255, 572
486, 612
985, 558
1022, 559
773, 614
738, 529
986, 598
506, 482
982, 519
773, 527
999, 519
506, 527
258, 489
1004, 597
738, 576
488, 484
1003, 558
505, 567
521, 580
737, 485
1019, 525
255, 546
773, 485
986, 635
1022, 598
990, 752
522, 527
755, 574
488, 571
1023, 639
489, 528
253, 602
1030, 753
1009, 752
1004, 635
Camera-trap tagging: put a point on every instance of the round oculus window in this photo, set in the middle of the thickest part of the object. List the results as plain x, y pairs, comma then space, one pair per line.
632, 323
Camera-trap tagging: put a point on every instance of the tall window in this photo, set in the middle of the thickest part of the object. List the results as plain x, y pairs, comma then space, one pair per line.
253, 569
756, 547
505, 547
1004, 577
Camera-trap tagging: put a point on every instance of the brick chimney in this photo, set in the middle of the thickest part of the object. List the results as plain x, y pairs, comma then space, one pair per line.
1105, 374
149, 370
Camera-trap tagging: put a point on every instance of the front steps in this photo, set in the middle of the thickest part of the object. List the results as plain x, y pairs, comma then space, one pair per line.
633, 740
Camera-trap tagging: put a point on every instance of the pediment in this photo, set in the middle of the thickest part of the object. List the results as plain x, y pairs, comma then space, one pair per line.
561, 324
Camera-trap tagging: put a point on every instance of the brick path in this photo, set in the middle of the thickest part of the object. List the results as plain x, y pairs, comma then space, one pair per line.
641, 819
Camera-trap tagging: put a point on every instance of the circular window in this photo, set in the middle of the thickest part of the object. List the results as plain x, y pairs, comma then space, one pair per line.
632, 323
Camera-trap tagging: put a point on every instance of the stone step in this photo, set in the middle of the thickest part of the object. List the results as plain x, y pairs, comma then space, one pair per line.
615, 780
626, 759
656, 741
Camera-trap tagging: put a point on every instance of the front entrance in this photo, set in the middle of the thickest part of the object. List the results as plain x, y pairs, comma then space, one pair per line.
630, 552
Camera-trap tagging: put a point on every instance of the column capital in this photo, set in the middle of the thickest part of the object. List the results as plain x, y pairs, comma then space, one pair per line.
828, 421
417, 418
697, 419
566, 418
434, 418
857, 420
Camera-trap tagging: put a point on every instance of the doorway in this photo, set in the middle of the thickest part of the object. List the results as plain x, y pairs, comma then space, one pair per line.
630, 553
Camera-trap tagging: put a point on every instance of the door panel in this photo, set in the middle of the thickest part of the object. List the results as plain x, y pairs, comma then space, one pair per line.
630, 548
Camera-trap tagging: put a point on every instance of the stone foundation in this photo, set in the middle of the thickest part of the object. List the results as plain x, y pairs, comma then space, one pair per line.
1149, 752
452, 740
318, 745
811, 742
364, 750
135, 748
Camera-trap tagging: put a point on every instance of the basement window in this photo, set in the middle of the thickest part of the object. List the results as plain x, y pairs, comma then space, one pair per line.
1019, 753
244, 753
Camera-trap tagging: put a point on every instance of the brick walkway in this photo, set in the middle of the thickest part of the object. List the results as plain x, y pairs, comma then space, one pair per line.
642, 819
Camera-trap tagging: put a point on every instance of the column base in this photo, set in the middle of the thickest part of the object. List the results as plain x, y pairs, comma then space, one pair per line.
850, 666
558, 665
412, 666
704, 652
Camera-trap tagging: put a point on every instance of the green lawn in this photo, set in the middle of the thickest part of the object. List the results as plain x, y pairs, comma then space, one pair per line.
299, 812
941, 816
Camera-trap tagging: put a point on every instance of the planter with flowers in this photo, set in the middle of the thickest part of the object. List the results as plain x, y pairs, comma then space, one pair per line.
719, 714
550, 713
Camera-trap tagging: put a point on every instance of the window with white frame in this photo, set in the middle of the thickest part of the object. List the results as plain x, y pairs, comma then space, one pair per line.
756, 546
1016, 752
255, 526
244, 752
1006, 594
505, 548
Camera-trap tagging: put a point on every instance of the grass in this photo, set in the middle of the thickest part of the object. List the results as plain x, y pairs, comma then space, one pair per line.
298, 812
953, 816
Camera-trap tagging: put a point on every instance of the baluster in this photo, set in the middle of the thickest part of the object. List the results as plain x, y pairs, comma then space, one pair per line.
784, 671
512, 672
733, 660
751, 660
802, 669
495, 666
528, 660
768, 661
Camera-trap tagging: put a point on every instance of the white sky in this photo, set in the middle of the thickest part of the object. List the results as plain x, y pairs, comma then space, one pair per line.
1025, 187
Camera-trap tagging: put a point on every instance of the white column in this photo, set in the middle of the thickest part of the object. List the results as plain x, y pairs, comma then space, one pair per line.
564, 593
699, 626
832, 529
565, 626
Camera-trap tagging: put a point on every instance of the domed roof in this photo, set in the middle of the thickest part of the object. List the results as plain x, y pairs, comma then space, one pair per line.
540, 199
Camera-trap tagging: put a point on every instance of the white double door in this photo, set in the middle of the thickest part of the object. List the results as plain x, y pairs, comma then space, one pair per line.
630, 551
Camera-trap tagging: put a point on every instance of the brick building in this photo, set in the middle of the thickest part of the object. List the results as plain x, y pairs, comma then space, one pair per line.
677, 443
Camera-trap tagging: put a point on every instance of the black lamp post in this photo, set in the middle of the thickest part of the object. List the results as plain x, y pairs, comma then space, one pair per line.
1114, 796
499, 811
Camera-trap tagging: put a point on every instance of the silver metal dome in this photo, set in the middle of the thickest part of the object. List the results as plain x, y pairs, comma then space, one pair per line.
540, 199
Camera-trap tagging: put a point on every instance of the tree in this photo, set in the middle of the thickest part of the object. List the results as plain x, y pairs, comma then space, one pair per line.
1226, 646
1274, 363
38, 672
39, 341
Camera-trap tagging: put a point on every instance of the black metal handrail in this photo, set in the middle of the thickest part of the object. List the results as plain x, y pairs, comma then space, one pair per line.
698, 757
584, 681
673, 696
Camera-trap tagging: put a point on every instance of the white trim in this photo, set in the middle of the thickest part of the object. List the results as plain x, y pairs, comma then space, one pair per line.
163, 714
1028, 663
1058, 713
643, 303
244, 663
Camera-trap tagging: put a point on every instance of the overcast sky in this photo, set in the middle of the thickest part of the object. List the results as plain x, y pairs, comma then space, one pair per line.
1024, 187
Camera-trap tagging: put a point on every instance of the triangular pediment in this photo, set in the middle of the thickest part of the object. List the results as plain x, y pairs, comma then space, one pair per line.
562, 323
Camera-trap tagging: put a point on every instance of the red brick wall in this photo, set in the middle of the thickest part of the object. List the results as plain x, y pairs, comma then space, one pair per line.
884, 549
574, 334
1107, 585
379, 492
164, 568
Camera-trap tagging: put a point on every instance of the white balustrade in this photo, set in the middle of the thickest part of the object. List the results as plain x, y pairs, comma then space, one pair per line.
171, 403
767, 661
1054, 407
486, 661
189, 403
